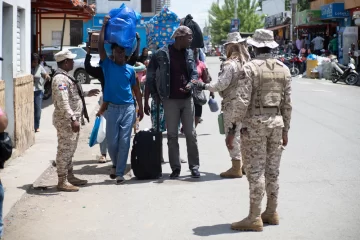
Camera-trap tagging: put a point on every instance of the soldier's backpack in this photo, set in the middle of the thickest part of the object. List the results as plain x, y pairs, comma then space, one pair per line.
198, 40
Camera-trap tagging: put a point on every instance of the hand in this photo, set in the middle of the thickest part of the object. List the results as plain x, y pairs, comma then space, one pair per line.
212, 95
229, 141
140, 114
147, 109
93, 92
106, 19
198, 84
186, 89
75, 126
100, 113
285, 138
137, 36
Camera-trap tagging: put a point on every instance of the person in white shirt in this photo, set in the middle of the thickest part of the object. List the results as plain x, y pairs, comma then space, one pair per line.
318, 44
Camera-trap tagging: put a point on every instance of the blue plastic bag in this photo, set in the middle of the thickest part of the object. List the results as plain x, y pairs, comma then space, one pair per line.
213, 105
94, 132
121, 28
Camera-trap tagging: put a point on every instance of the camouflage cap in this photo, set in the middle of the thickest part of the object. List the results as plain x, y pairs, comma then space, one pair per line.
181, 32
234, 37
263, 38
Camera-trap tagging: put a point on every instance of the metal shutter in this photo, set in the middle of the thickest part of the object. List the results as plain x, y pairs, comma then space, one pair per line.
18, 42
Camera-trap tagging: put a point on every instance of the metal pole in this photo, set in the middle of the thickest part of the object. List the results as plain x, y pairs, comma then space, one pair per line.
236, 6
293, 15
62, 34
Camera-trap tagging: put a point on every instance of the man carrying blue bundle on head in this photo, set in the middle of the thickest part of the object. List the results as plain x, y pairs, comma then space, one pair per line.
120, 81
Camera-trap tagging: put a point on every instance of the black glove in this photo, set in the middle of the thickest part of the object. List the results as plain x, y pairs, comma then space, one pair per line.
199, 85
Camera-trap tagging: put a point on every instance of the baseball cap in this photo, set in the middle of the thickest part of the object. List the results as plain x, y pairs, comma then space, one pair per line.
64, 54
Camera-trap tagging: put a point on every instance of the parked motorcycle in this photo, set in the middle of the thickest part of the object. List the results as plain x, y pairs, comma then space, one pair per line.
47, 86
347, 74
294, 63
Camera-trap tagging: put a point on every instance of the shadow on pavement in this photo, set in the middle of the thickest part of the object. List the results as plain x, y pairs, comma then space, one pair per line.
41, 191
46, 103
218, 229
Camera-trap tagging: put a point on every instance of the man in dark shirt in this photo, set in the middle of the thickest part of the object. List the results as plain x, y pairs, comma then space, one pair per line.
169, 76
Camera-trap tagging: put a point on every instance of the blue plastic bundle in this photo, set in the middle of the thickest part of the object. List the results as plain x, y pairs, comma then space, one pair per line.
121, 28
312, 57
160, 28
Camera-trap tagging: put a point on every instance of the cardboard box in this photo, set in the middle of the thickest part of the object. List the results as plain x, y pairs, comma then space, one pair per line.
94, 40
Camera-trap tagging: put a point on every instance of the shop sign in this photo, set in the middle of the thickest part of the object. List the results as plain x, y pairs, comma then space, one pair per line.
308, 17
334, 10
274, 20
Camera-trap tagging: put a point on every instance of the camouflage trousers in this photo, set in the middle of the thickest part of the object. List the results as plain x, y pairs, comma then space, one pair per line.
235, 153
67, 144
262, 149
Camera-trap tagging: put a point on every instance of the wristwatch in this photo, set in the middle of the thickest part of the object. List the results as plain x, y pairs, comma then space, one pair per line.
73, 119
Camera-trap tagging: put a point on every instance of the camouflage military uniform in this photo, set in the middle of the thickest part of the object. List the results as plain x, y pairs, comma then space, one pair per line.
67, 103
228, 87
266, 90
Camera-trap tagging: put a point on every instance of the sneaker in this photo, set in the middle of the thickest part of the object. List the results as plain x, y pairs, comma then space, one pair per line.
102, 159
37, 130
175, 174
183, 161
120, 180
195, 173
113, 172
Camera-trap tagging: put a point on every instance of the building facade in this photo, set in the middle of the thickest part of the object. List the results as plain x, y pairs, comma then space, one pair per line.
16, 82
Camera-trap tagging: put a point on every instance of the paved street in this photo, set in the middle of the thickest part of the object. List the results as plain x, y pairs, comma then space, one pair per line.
319, 183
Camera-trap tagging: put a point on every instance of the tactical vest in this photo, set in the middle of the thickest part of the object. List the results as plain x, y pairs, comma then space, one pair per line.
231, 91
268, 96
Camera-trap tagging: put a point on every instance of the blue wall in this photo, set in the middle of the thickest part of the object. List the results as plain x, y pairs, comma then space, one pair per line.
96, 22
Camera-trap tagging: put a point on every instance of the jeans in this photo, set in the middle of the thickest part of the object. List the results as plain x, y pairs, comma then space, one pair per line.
1, 209
38, 97
119, 123
176, 110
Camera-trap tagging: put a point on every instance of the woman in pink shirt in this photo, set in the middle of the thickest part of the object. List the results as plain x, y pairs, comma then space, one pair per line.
203, 76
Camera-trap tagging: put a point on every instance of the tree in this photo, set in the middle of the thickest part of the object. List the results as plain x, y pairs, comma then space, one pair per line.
220, 18
303, 5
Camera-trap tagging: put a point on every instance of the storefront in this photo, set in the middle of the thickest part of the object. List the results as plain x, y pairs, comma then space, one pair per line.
280, 24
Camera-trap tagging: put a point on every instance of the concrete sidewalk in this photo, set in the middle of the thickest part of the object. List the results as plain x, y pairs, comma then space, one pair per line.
21, 172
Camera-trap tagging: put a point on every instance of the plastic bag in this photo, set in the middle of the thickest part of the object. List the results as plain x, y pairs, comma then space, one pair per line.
94, 132
160, 28
121, 28
213, 105
198, 40
312, 57
102, 130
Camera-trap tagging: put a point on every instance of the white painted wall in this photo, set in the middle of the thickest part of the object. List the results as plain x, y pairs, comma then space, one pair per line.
104, 6
8, 50
272, 7
49, 25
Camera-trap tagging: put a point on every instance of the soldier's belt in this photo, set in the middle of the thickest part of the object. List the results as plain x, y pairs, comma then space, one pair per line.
265, 110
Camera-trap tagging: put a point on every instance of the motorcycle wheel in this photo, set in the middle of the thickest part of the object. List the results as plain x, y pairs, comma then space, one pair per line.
294, 71
352, 79
48, 90
334, 79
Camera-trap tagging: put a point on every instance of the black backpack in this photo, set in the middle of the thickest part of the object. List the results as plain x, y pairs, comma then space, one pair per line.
198, 40
6, 148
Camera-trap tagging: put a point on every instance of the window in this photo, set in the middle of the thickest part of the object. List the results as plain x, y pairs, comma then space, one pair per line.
146, 6
56, 38
20, 41
80, 53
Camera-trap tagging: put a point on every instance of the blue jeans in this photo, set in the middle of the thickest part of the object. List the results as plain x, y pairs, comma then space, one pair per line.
38, 97
119, 123
1, 209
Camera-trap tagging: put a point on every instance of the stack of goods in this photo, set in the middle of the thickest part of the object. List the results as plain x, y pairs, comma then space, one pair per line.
160, 28
121, 28
93, 39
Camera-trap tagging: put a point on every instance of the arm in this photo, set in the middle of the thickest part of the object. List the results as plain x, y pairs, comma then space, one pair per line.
96, 72
134, 57
44, 73
204, 75
3, 121
151, 76
286, 106
101, 48
224, 81
61, 95
139, 68
137, 92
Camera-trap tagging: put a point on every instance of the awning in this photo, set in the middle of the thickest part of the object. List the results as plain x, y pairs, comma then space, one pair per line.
278, 27
77, 8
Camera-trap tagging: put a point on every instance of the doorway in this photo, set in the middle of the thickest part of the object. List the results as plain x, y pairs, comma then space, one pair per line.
76, 32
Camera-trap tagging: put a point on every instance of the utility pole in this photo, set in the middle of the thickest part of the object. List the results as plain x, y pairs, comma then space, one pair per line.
293, 22
236, 6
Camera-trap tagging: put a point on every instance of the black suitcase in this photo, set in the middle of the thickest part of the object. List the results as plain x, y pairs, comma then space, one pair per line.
146, 153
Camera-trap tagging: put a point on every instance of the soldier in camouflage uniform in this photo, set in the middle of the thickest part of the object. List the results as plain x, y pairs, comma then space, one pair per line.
265, 93
228, 87
67, 97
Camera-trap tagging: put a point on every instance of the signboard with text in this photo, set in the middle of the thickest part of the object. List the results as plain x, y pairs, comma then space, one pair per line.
235, 25
334, 10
